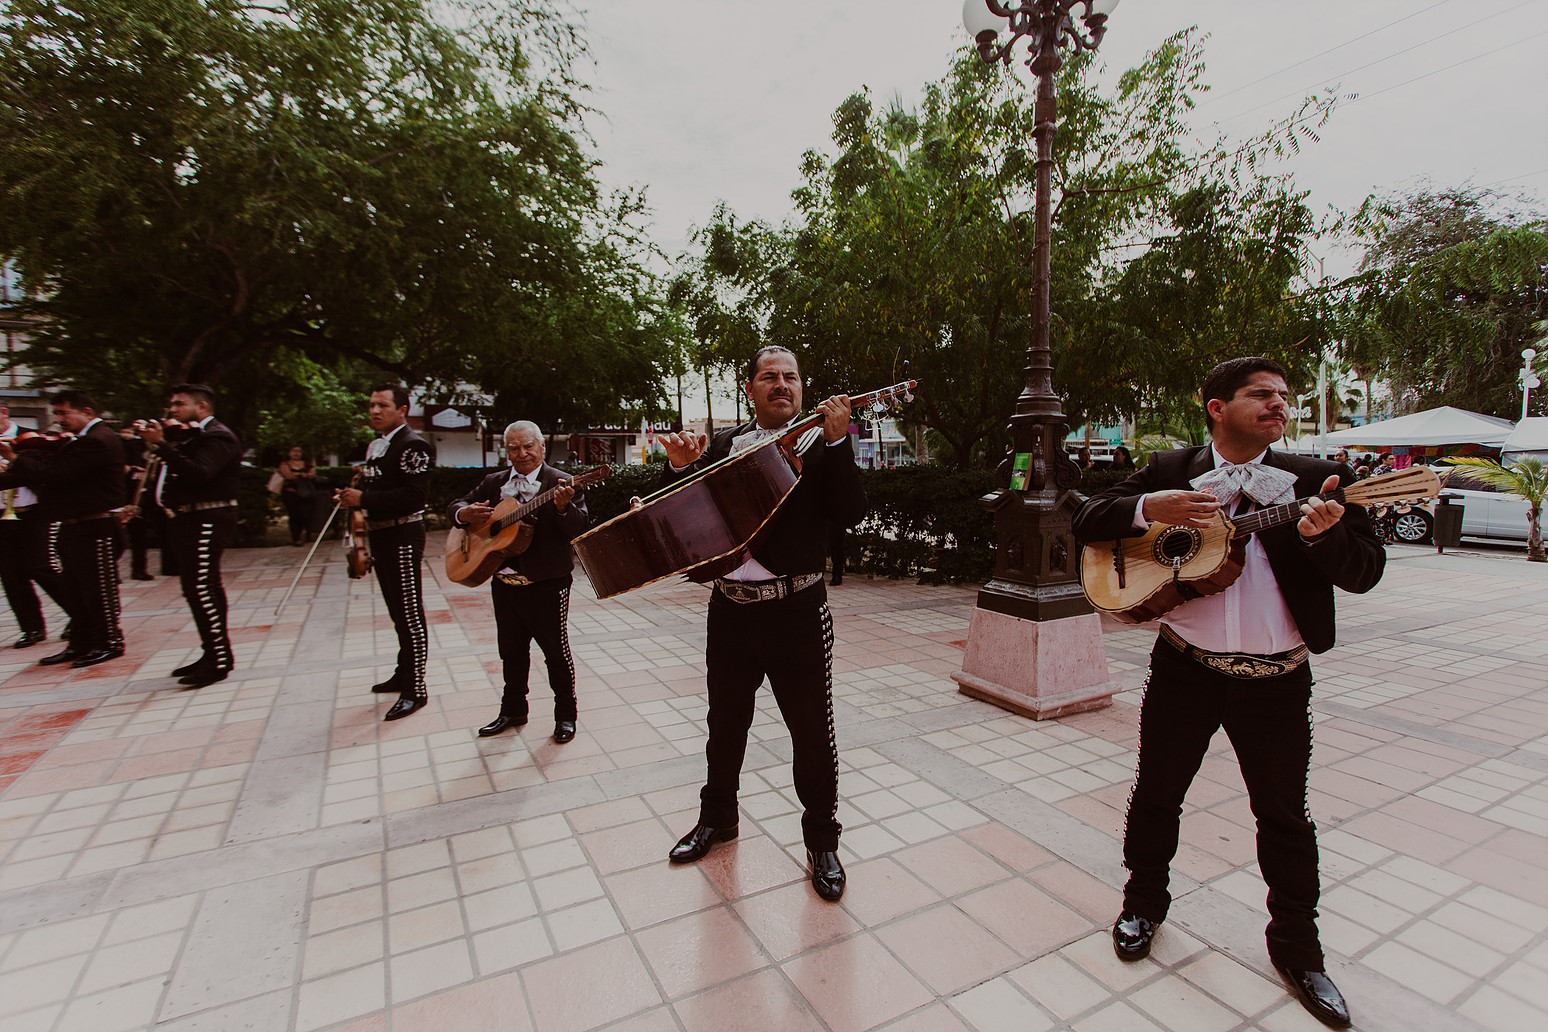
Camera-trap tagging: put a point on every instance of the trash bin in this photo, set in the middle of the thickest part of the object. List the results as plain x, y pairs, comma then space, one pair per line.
1448, 522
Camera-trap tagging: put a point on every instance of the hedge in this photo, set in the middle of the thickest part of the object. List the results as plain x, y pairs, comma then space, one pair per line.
922, 522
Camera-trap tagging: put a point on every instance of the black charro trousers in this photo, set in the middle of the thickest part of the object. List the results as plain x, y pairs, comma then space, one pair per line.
395, 556
198, 539
539, 612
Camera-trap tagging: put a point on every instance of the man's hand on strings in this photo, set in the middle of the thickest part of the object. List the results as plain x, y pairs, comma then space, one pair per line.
835, 418
1320, 515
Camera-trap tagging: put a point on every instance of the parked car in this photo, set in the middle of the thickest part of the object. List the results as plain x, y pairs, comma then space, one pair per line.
1487, 512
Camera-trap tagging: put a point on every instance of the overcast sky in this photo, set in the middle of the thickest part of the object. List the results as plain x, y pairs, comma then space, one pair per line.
709, 100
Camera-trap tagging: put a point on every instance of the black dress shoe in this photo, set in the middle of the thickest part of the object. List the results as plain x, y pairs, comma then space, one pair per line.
29, 639
500, 723
69, 655
564, 731
387, 687
141, 575
96, 656
1132, 935
697, 842
836, 579
200, 678
827, 874
1318, 995
197, 666
403, 707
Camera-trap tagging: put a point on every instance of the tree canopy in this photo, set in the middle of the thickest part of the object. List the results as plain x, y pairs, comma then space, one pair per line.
248, 195
914, 244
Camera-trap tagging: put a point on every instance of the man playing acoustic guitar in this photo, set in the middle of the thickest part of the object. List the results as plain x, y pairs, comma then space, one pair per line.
1238, 659
531, 591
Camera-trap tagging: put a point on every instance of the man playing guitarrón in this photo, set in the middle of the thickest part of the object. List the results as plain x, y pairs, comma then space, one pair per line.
1238, 659
397, 482
770, 617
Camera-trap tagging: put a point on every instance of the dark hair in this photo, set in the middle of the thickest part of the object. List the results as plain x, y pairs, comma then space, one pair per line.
1126, 456
752, 363
400, 395
78, 400
1231, 376
197, 391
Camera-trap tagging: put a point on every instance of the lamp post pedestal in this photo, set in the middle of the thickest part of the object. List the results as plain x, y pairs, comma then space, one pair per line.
1040, 669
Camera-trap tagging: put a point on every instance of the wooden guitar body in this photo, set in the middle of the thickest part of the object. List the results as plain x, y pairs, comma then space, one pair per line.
1137, 579
473, 556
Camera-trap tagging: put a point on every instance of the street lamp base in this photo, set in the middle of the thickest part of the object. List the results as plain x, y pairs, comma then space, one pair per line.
1039, 668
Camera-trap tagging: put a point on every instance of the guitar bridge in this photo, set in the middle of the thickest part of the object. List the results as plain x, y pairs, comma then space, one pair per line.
1119, 564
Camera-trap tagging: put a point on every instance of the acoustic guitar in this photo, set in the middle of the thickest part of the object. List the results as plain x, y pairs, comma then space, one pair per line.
1141, 578
474, 554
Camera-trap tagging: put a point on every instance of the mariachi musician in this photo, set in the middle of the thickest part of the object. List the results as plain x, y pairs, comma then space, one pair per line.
396, 484
79, 482
28, 554
769, 617
197, 487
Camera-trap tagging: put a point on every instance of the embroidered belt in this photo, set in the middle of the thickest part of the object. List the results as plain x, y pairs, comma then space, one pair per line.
765, 590
400, 521
87, 519
184, 510
1239, 664
515, 580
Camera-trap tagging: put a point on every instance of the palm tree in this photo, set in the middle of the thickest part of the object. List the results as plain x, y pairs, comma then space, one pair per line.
1526, 478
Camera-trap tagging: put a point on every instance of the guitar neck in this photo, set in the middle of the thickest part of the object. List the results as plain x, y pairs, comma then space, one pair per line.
1274, 516
1402, 486
537, 501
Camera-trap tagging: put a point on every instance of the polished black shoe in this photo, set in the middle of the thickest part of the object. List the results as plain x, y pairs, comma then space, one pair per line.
198, 666
387, 687
564, 731
200, 678
827, 874
141, 575
69, 655
836, 579
403, 707
500, 723
96, 656
1318, 995
697, 842
29, 639
1132, 935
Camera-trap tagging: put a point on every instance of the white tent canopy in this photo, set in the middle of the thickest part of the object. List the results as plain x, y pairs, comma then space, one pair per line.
1437, 426
1528, 440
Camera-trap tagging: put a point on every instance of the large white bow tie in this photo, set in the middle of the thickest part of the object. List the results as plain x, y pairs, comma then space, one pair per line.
1266, 485
741, 442
376, 449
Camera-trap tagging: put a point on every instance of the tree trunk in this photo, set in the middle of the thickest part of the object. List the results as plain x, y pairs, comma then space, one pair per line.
1535, 552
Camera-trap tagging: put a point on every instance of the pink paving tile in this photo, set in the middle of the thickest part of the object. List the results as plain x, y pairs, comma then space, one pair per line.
934, 1018
1013, 850
493, 1005
47, 721
28, 743
792, 919
1091, 897
880, 890
753, 864
86, 752
758, 1003
856, 984
948, 949
154, 765
700, 950
567, 994
18, 763
1505, 873
650, 894
1031, 922
628, 846
82, 775
950, 866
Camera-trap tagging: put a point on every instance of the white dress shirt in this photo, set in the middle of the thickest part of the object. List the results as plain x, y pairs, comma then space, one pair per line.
1250, 616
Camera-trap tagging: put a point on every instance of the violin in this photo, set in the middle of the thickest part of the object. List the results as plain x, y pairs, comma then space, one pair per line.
43, 442
172, 431
357, 547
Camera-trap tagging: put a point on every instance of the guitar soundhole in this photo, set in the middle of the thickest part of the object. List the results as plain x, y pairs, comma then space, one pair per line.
1177, 546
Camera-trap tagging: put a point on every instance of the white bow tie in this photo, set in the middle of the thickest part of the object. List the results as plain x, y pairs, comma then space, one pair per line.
1266, 485
741, 442
376, 449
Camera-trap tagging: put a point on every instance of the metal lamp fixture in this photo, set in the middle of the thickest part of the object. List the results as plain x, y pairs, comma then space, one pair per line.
1036, 582
1528, 378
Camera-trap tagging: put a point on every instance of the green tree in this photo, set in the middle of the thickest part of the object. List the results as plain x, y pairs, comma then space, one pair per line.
1451, 288
914, 248
206, 189
1527, 478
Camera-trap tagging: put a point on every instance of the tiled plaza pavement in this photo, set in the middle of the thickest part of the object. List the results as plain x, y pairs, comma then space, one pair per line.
267, 854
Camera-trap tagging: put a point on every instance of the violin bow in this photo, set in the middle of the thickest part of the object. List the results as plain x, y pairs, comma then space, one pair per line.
310, 552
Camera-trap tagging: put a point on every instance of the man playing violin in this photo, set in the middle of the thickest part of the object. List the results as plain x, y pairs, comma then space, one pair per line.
79, 483
28, 554
196, 485
396, 479
531, 591
1238, 659
769, 618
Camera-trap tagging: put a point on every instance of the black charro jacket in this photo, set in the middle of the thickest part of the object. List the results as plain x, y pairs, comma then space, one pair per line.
83, 477
203, 467
1349, 556
396, 483
549, 555
828, 491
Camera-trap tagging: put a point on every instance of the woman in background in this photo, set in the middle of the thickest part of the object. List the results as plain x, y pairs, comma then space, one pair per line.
299, 493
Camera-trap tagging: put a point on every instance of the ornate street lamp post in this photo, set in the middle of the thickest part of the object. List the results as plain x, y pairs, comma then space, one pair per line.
1035, 646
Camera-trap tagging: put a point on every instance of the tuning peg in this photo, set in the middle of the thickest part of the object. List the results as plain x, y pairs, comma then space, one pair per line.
908, 395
